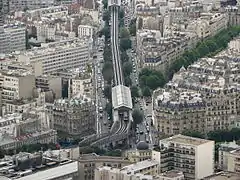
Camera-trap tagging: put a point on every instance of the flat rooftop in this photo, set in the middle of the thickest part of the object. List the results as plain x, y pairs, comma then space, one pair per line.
181, 139
224, 176
139, 166
53, 172
172, 174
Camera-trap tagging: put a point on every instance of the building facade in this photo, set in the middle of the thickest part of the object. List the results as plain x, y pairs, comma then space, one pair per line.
55, 56
75, 116
87, 164
188, 155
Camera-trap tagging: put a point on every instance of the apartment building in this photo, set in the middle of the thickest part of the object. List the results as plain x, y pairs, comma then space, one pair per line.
20, 5
85, 31
189, 155
203, 97
52, 11
171, 175
223, 154
223, 175
208, 24
108, 173
17, 130
23, 105
179, 14
75, 116
233, 161
16, 84
157, 52
50, 83
45, 31
81, 83
12, 38
56, 56
141, 170
148, 17
87, 163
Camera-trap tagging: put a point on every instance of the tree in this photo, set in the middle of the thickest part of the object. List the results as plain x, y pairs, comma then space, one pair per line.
107, 54
124, 57
105, 4
132, 27
125, 44
124, 33
107, 92
108, 109
107, 72
106, 15
89, 68
193, 134
127, 68
121, 14
105, 31
137, 116
134, 91
146, 92
128, 81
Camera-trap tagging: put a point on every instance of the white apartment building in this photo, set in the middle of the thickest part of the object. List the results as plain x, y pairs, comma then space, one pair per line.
20, 5
53, 12
45, 31
85, 31
193, 156
12, 38
52, 57
80, 84
224, 153
16, 84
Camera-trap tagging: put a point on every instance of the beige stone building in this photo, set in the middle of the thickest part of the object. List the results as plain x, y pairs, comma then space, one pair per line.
50, 83
224, 151
142, 170
233, 163
16, 84
75, 116
87, 164
205, 97
141, 153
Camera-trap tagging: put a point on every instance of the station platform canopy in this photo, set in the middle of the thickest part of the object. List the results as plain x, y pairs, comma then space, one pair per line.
121, 97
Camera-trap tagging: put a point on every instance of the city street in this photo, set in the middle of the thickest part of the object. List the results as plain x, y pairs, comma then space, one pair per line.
144, 131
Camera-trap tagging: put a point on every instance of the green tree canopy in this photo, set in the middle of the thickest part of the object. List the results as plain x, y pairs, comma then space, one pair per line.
127, 68
124, 33
124, 57
108, 92
132, 27
128, 81
106, 15
107, 72
105, 4
146, 92
134, 91
108, 109
125, 44
137, 116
